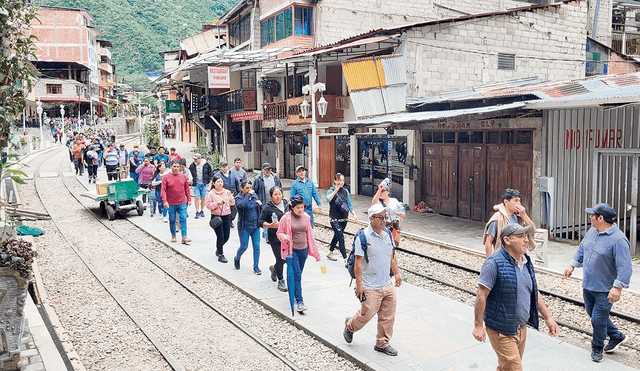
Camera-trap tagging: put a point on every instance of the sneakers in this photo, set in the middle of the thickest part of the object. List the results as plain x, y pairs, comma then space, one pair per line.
391, 351
346, 262
236, 263
596, 355
151, 215
614, 343
348, 335
222, 259
331, 256
186, 240
173, 239
197, 214
274, 276
257, 271
165, 219
301, 307
201, 214
282, 285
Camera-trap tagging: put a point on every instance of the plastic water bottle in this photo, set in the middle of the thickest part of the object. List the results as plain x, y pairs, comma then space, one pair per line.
274, 217
387, 181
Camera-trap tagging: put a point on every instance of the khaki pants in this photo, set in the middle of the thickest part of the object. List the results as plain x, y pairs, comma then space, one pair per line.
509, 349
383, 303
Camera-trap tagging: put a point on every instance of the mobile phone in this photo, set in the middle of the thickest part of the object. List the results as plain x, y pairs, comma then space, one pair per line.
363, 297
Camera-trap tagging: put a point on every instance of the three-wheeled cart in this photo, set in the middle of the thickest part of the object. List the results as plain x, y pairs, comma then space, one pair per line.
118, 197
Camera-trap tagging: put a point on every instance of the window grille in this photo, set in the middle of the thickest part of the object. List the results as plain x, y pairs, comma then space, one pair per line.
506, 61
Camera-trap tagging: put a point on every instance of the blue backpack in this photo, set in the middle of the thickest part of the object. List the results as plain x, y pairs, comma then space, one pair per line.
351, 259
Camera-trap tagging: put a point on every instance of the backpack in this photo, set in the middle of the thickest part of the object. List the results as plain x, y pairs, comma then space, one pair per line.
351, 259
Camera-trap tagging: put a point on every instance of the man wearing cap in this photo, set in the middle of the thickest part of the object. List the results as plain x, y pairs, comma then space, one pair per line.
509, 211
606, 261
135, 160
264, 182
124, 155
508, 299
374, 286
229, 180
238, 171
201, 172
304, 187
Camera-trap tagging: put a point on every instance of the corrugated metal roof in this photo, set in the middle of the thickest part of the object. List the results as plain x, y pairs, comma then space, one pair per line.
623, 94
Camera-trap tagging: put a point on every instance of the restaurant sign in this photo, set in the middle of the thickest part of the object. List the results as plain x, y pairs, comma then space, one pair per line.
219, 77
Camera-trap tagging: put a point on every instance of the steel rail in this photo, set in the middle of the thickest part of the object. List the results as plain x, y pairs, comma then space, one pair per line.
191, 290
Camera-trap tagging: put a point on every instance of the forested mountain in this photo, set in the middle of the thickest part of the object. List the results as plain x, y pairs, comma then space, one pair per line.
140, 29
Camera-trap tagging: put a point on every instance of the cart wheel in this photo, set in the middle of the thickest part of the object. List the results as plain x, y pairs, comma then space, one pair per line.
102, 208
140, 207
111, 212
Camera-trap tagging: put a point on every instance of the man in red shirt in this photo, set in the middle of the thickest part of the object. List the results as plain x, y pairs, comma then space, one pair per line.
176, 196
77, 156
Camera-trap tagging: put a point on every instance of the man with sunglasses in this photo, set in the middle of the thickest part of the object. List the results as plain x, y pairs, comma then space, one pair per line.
374, 285
606, 261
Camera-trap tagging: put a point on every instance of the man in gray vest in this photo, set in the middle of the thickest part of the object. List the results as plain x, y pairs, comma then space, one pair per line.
508, 299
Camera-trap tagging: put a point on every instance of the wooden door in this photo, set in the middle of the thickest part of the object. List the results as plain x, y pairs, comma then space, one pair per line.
472, 181
497, 176
326, 163
521, 172
449, 180
431, 175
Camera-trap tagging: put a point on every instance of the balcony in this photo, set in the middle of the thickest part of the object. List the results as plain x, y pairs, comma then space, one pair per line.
289, 111
232, 101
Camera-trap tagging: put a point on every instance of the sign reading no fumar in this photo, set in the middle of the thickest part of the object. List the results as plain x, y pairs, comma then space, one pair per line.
219, 77
173, 106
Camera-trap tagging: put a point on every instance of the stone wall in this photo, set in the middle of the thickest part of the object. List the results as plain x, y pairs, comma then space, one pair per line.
549, 44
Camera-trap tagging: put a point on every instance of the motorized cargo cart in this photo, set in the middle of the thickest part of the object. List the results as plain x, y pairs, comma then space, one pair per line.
118, 197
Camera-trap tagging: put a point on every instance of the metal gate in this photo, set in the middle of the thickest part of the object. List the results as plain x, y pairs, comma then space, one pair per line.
616, 183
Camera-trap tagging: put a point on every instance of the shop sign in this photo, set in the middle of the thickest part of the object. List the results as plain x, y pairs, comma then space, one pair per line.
173, 106
219, 77
333, 130
467, 125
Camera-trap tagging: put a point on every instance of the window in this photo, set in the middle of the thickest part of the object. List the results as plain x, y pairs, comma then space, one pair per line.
240, 31
267, 35
303, 21
54, 88
235, 132
248, 80
276, 28
506, 61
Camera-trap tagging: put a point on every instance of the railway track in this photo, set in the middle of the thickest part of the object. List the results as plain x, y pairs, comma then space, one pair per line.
111, 281
473, 273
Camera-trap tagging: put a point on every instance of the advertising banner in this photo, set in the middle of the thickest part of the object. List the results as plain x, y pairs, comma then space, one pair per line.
219, 77
173, 106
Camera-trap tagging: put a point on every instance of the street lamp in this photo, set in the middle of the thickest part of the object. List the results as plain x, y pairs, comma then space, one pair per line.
39, 111
160, 102
62, 113
322, 110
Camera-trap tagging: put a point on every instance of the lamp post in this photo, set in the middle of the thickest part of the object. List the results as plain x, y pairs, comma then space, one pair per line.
39, 111
160, 103
62, 113
322, 110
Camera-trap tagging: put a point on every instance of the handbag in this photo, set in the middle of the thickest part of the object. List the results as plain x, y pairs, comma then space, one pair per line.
344, 206
234, 212
215, 221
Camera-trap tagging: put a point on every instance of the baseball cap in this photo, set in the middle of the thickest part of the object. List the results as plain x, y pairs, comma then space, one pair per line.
300, 167
515, 228
266, 165
223, 162
376, 209
602, 209
197, 155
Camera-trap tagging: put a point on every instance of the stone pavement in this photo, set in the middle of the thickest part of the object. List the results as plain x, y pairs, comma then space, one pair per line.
431, 332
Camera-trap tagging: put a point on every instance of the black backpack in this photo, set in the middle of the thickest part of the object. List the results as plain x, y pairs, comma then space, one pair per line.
351, 259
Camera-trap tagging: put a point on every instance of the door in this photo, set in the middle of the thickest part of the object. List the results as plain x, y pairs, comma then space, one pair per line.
327, 165
440, 177
471, 180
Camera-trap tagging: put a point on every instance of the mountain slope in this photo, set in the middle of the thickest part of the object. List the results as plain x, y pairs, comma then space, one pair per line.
140, 29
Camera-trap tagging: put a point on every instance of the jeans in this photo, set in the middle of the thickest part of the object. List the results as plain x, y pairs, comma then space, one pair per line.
181, 210
144, 196
309, 210
112, 172
222, 233
338, 237
92, 171
154, 202
298, 258
245, 233
161, 209
279, 262
78, 165
598, 307
199, 190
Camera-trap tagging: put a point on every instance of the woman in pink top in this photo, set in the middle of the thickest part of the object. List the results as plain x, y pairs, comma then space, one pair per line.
296, 237
219, 200
145, 172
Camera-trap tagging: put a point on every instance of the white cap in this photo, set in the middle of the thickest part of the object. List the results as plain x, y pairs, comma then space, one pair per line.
375, 209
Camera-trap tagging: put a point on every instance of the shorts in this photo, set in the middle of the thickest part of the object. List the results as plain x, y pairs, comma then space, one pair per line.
199, 190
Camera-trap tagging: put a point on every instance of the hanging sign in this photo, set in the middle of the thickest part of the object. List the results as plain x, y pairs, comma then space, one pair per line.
173, 106
219, 77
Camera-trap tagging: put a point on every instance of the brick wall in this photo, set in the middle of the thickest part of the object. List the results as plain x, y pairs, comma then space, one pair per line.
549, 44
620, 66
60, 27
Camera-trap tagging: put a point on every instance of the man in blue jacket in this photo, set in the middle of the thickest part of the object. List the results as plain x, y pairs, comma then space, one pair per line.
606, 261
508, 299
304, 187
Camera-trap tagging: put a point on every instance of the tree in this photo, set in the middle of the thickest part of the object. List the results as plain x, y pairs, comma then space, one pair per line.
16, 53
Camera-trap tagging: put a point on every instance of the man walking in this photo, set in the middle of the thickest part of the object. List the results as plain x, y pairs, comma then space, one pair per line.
508, 299
229, 180
509, 211
604, 255
176, 196
374, 285
238, 171
77, 150
201, 172
304, 187
264, 182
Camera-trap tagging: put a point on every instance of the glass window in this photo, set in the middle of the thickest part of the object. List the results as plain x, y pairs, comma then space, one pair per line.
437, 137
524, 137
54, 88
247, 136
271, 30
427, 137
248, 80
450, 137
235, 132
507, 137
264, 33
288, 23
476, 137
493, 137
463, 137
280, 26
303, 21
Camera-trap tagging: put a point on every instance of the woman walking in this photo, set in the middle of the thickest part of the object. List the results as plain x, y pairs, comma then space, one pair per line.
145, 174
340, 206
155, 186
296, 235
219, 200
269, 217
248, 206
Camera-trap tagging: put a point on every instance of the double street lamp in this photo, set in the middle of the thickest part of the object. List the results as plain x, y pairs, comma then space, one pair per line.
39, 110
62, 114
322, 110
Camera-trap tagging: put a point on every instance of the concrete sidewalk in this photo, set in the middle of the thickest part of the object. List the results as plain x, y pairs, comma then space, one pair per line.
431, 332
